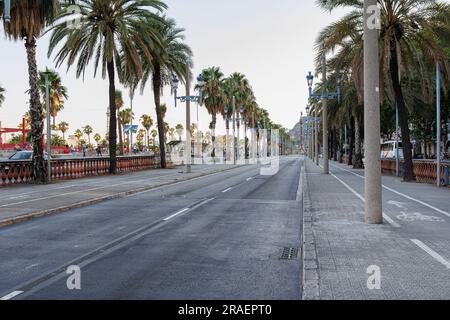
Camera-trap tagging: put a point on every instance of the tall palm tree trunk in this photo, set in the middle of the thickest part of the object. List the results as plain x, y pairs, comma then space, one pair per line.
357, 163
408, 170
120, 129
159, 117
39, 168
112, 119
352, 142
213, 135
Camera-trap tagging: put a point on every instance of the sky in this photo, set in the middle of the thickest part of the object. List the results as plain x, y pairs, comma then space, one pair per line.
270, 41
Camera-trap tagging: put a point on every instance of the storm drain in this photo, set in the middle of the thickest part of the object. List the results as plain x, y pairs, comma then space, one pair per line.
289, 253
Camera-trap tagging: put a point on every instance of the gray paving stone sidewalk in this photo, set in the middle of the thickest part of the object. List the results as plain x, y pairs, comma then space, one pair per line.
339, 248
22, 202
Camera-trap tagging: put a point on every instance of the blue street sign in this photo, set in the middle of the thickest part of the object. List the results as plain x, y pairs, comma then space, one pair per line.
131, 128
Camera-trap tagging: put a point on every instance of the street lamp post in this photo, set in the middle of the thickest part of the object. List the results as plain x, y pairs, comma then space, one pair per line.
49, 132
316, 136
324, 96
188, 99
438, 123
234, 130
308, 132
373, 191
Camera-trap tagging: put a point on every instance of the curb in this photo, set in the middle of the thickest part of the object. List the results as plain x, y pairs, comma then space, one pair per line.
310, 265
43, 213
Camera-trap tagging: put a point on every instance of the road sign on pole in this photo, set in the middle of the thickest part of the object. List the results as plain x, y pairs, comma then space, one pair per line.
131, 128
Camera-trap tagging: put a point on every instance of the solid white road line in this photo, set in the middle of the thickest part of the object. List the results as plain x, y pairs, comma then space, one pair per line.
176, 214
11, 295
226, 190
400, 194
431, 252
385, 216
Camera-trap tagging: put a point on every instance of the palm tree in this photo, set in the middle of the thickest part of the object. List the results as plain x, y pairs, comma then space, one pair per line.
180, 129
154, 134
213, 97
63, 127
117, 33
28, 20
126, 117
171, 57
78, 134
97, 138
57, 92
410, 46
147, 123
2, 95
118, 101
88, 131
166, 127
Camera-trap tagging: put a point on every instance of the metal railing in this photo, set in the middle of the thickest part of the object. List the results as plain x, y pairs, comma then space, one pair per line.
17, 172
424, 170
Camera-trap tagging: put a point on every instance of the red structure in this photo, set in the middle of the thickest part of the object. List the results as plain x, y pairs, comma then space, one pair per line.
24, 132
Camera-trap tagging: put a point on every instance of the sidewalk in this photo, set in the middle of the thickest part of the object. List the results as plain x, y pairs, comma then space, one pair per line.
412, 254
23, 202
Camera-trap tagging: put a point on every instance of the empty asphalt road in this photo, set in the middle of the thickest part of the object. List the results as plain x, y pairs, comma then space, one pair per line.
221, 236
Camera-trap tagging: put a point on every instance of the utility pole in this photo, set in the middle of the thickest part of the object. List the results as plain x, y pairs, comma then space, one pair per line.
326, 169
438, 123
316, 136
397, 153
234, 130
300, 147
188, 126
373, 191
49, 129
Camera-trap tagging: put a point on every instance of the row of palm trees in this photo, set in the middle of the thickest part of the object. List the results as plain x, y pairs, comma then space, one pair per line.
131, 40
414, 37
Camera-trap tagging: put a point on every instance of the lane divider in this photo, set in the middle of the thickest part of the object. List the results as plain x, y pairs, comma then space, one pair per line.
11, 295
385, 216
400, 193
431, 252
176, 214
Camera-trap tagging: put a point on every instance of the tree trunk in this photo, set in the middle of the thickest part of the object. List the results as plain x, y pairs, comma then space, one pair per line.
159, 116
335, 156
358, 163
213, 135
341, 145
120, 130
112, 119
408, 170
352, 142
39, 168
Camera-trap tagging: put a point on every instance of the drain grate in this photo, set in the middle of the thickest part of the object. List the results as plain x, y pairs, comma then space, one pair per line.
289, 253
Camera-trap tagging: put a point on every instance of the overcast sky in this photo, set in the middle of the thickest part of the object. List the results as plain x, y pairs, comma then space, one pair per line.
270, 41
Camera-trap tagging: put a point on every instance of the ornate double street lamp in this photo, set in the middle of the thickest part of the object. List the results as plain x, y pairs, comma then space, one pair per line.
324, 96
188, 99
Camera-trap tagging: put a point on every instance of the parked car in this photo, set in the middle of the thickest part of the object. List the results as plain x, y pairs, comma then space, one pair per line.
24, 155
19, 156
